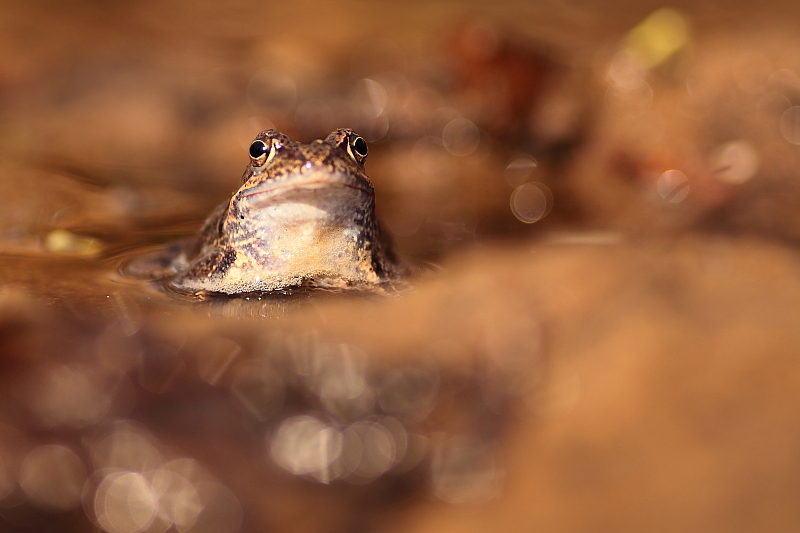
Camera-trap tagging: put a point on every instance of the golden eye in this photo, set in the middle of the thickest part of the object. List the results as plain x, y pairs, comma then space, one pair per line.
259, 149
357, 148
360, 147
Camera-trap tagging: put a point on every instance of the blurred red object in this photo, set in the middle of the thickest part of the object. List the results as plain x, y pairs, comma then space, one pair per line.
500, 77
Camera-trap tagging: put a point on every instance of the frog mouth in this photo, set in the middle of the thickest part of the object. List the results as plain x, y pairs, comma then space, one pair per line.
267, 193
277, 190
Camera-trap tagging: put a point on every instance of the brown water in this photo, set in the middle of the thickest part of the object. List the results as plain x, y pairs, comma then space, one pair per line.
600, 208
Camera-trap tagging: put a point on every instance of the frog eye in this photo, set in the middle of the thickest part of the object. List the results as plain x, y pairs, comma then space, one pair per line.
357, 148
257, 149
261, 153
360, 146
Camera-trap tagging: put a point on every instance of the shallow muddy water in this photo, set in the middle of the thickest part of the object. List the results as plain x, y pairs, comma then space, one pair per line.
597, 207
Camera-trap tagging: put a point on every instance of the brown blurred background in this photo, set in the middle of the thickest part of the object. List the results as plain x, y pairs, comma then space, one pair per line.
599, 200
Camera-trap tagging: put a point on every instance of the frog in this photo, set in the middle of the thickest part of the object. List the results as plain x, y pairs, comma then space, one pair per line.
303, 216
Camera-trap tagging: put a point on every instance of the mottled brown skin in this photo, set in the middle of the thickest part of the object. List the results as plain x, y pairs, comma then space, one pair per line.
303, 216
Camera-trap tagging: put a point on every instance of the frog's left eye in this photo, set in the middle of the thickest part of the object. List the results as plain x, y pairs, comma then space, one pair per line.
261, 152
357, 148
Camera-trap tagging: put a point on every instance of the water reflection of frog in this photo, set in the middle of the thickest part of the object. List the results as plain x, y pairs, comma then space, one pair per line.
304, 216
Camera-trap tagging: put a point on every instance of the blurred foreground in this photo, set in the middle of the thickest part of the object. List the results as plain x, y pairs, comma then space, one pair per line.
602, 206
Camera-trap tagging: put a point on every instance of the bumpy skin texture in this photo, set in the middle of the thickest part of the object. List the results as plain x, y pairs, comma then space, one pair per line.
303, 216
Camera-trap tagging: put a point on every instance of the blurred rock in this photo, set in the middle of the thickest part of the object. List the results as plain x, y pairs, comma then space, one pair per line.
722, 117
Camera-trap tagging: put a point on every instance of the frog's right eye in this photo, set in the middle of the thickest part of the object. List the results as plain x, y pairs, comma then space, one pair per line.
257, 149
261, 152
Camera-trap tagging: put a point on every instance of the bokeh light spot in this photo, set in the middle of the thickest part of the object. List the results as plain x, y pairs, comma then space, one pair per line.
736, 162
625, 72
126, 447
179, 502
125, 503
790, 124
306, 445
372, 95
519, 170
373, 450
52, 476
461, 136
531, 202
673, 186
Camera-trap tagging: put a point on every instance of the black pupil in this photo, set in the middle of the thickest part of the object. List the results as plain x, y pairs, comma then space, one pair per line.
257, 149
360, 146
